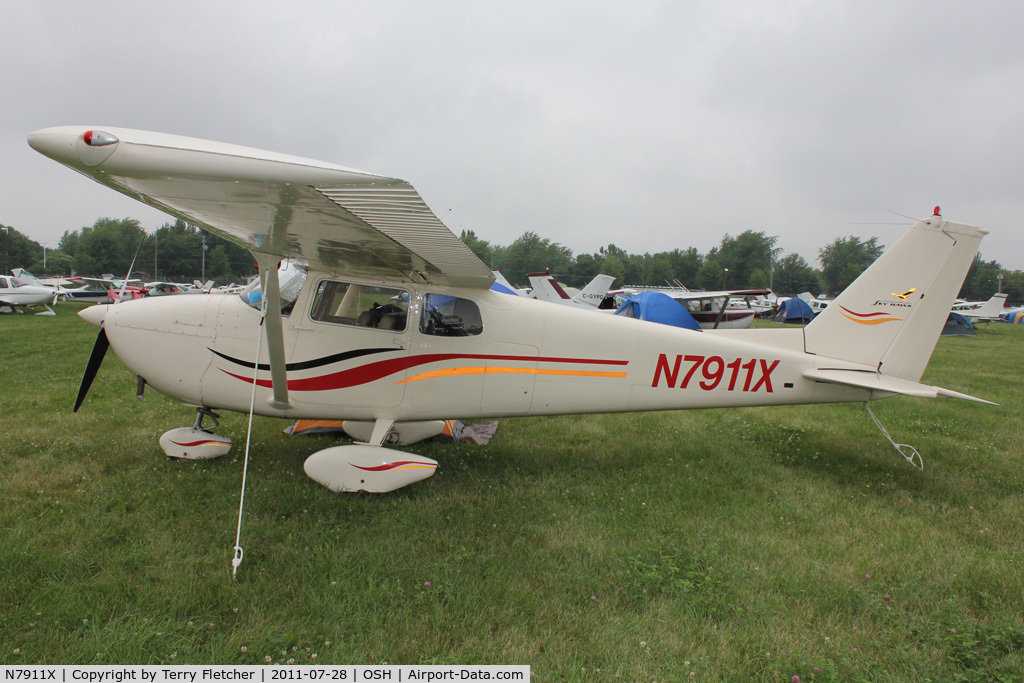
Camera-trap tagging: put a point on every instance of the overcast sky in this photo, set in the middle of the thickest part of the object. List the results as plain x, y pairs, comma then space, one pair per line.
651, 125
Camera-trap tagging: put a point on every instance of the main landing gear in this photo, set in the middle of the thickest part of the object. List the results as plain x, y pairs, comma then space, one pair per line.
196, 442
369, 467
363, 466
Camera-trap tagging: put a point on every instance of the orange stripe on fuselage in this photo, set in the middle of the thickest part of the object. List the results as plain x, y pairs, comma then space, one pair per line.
465, 371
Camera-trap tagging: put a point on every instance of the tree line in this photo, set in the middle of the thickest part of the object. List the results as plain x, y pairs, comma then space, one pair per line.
176, 251
751, 260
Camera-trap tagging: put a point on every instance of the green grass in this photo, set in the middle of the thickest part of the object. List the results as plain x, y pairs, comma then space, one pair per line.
734, 545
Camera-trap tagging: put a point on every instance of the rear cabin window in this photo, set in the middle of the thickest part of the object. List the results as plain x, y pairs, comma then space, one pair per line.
346, 303
449, 316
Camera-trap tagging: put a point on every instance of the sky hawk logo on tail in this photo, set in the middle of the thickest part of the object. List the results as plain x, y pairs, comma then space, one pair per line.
905, 294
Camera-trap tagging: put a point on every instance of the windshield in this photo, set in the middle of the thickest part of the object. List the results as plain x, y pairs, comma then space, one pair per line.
292, 276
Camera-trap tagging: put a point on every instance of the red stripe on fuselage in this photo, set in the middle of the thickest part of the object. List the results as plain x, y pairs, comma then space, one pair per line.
374, 371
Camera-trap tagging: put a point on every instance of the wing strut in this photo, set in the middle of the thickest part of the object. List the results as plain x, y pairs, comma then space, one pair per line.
274, 330
721, 312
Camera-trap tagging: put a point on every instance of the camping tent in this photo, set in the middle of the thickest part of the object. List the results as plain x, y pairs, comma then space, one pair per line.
793, 311
659, 308
957, 326
1014, 317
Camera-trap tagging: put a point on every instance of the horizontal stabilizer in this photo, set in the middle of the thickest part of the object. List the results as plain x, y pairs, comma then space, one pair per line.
864, 379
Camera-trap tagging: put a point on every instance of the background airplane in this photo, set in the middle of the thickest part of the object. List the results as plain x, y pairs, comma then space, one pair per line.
714, 310
104, 290
22, 291
817, 304
987, 312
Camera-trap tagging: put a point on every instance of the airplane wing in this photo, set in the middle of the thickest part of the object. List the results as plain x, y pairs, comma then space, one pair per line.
731, 293
98, 282
338, 219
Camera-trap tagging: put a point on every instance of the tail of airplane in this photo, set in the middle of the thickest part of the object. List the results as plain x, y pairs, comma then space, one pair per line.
989, 311
891, 316
595, 291
24, 277
546, 288
501, 284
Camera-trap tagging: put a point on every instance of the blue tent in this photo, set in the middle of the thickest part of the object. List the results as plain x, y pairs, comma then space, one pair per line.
793, 311
658, 308
957, 326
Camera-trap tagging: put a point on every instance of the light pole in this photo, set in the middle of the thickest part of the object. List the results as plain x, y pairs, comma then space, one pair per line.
7, 247
725, 275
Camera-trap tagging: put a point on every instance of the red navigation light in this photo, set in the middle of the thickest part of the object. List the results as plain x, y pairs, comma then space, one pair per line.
97, 138
936, 212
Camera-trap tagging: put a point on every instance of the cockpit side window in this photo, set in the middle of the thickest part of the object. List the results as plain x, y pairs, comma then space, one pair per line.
347, 303
450, 316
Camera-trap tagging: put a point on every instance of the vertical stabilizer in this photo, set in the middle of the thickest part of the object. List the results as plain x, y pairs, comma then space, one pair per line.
546, 288
595, 291
989, 311
891, 316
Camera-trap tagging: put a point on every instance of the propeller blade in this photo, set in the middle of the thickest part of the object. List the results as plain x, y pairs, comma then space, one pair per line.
99, 349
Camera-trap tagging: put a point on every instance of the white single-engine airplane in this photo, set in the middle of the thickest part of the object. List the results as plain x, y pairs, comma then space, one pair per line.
24, 291
391, 320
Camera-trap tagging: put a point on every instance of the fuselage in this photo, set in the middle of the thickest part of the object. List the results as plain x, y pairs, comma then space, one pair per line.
509, 356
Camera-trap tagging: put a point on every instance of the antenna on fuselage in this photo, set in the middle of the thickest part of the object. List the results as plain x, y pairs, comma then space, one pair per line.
124, 285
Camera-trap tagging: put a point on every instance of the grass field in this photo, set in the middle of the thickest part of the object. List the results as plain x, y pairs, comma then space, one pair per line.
730, 545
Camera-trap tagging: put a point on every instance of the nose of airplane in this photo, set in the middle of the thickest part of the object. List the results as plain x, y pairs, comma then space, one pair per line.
94, 314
